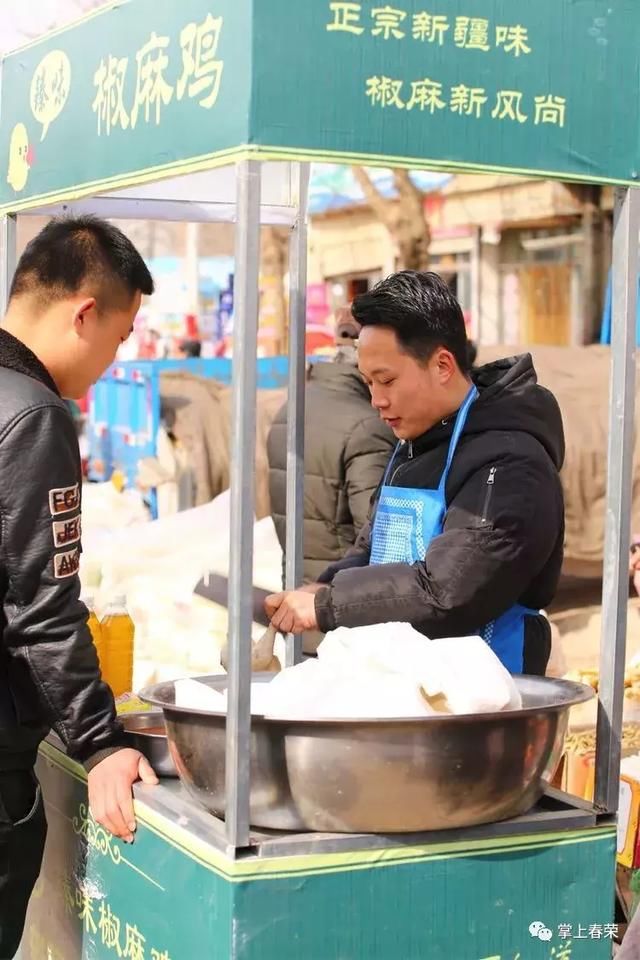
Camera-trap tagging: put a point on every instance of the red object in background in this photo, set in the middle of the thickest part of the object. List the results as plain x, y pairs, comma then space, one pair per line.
319, 339
83, 404
433, 204
191, 327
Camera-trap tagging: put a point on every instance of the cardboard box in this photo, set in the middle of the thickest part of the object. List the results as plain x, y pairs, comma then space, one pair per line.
628, 846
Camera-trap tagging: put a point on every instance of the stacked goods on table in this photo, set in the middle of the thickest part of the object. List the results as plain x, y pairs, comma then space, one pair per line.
629, 811
577, 772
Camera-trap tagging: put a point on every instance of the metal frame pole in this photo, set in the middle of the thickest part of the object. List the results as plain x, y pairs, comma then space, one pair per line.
476, 286
615, 589
295, 399
8, 244
243, 445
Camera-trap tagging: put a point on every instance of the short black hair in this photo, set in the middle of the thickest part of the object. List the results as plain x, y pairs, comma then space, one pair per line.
71, 252
422, 311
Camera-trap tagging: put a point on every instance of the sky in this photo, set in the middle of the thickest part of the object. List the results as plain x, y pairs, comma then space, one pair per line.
23, 21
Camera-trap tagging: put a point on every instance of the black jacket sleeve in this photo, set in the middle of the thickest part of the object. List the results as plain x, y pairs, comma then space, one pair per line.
473, 572
46, 633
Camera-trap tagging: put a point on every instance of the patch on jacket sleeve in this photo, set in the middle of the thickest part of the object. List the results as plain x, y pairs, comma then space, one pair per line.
66, 564
64, 499
66, 532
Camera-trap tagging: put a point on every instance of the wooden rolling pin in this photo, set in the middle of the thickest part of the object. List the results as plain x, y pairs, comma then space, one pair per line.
262, 656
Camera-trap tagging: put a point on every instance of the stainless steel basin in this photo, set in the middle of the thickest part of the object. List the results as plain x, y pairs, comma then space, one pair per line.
379, 776
146, 732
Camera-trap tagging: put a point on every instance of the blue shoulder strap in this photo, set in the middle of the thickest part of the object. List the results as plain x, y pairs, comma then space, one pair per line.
461, 419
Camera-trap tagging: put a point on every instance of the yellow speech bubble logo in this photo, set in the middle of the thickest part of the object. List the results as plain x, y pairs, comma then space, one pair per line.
18, 171
50, 88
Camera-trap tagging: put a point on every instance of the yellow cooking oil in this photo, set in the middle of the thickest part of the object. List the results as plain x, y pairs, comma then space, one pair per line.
117, 638
96, 632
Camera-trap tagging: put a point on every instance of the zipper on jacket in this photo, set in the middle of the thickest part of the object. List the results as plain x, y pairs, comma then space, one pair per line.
491, 479
409, 445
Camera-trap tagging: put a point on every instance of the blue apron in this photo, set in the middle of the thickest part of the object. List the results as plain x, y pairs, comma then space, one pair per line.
406, 521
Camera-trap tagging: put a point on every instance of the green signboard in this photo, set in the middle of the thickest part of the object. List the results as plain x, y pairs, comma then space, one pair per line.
143, 89
173, 896
149, 88
549, 87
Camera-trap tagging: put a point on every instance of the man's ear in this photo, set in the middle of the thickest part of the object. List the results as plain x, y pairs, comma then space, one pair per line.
81, 311
446, 365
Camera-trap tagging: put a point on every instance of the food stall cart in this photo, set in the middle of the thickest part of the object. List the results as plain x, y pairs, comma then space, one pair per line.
212, 109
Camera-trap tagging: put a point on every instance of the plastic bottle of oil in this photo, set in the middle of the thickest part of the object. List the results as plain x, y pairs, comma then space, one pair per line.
117, 638
96, 631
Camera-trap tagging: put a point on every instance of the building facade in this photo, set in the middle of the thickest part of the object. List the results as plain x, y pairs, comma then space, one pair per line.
527, 258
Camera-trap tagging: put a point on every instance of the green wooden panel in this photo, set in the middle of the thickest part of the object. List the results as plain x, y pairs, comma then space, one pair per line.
470, 908
166, 898
549, 86
149, 84
100, 898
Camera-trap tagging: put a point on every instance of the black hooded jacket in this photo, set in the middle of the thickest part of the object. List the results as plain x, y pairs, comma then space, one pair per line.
503, 533
49, 674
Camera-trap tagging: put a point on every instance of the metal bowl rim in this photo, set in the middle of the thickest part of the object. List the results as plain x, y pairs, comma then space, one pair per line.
577, 693
140, 731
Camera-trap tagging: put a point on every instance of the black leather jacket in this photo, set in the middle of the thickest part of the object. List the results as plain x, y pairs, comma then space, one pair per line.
49, 674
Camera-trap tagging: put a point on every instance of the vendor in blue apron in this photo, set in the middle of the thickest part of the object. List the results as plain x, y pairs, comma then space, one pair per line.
465, 534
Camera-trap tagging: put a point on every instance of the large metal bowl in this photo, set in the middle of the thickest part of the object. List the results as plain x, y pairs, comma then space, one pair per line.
146, 732
379, 776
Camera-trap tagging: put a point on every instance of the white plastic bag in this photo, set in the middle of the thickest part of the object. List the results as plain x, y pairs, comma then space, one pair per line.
315, 690
382, 671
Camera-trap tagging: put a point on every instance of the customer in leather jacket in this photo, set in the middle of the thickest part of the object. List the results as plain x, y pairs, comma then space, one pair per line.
73, 299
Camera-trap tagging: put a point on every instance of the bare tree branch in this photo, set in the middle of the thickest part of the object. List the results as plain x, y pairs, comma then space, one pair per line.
414, 235
379, 204
403, 217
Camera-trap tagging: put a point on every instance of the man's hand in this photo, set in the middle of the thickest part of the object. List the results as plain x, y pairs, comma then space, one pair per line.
293, 611
110, 798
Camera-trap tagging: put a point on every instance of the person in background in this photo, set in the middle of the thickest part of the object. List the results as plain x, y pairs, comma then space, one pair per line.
634, 562
73, 299
347, 448
190, 348
466, 534
150, 346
